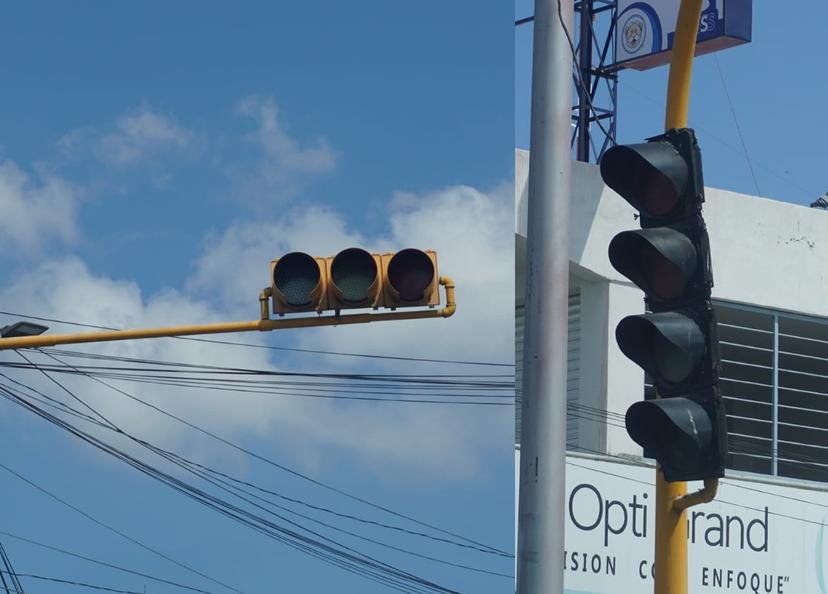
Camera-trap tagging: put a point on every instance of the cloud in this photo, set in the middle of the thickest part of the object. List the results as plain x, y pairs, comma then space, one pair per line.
467, 228
470, 230
137, 136
35, 212
283, 164
140, 133
234, 265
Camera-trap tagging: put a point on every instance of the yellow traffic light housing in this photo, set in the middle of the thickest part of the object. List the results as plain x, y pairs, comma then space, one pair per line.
410, 279
355, 279
299, 283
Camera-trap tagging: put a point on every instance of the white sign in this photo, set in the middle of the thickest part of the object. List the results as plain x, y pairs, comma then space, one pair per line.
644, 31
754, 538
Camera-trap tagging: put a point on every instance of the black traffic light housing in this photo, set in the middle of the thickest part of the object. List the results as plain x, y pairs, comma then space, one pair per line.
676, 342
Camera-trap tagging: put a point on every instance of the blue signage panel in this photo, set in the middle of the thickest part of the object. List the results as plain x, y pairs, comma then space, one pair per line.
644, 30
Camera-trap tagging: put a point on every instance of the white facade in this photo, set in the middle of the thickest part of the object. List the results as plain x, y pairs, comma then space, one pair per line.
770, 268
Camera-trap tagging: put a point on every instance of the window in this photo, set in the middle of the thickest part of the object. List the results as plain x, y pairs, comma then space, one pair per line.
573, 367
774, 381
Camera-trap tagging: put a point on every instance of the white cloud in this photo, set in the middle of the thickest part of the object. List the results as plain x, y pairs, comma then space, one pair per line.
33, 213
234, 266
140, 133
469, 228
284, 163
136, 136
473, 236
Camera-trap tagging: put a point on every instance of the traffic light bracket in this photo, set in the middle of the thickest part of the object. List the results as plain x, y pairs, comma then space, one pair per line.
264, 324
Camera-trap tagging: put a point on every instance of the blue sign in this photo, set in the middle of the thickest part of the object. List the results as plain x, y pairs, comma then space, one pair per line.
644, 30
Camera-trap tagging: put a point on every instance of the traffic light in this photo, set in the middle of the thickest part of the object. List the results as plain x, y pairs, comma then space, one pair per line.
299, 282
354, 278
675, 343
410, 278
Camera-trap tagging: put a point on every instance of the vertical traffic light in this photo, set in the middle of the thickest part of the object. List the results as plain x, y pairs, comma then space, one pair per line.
676, 344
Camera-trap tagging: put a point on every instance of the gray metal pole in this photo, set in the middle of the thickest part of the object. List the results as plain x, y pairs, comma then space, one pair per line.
543, 426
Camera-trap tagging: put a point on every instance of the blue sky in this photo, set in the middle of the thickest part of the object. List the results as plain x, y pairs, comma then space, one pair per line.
774, 85
153, 159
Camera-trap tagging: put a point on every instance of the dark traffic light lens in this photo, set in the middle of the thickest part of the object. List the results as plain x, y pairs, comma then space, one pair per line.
410, 272
296, 276
652, 176
666, 345
354, 271
676, 430
660, 261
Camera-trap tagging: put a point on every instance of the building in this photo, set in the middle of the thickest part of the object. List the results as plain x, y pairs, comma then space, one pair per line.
764, 533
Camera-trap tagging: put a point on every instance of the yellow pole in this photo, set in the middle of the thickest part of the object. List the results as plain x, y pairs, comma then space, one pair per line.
681, 64
262, 325
671, 523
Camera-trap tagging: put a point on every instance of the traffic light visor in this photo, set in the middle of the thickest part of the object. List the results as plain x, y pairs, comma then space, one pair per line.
651, 176
297, 276
678, 431
410, 274
660, 261
666, 345
354, 274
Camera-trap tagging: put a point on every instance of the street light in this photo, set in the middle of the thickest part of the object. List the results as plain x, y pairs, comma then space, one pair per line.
22, 329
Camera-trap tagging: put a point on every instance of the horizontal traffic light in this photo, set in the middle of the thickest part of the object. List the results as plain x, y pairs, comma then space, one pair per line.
354, 278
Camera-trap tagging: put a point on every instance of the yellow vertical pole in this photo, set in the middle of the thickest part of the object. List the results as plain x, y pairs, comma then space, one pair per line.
681, 64
671, 523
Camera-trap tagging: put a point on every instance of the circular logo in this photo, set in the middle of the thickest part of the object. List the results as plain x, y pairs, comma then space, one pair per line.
633, 34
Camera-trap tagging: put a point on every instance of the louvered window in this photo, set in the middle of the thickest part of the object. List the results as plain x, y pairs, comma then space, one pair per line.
775, 384
573, 366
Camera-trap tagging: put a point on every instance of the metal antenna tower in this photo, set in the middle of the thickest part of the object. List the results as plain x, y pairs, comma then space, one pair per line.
596, 80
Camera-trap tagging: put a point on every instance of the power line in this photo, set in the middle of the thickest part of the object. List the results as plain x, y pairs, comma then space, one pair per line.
115, 530
298, 474
736, 121
75, 583
104, 563
334, 553
230, 488
13, 577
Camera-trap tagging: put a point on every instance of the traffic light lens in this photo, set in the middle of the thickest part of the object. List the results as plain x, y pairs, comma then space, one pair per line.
672, 363
676, 429
666, 345
296, 276
652, 177
659, 261
354, 272
410, 273
665, 278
